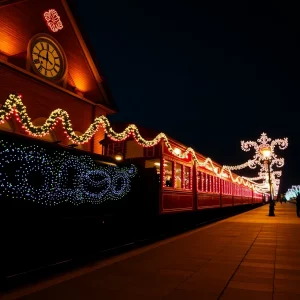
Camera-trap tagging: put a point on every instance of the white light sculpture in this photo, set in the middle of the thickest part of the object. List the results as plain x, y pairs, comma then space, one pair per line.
264, 149
258, 158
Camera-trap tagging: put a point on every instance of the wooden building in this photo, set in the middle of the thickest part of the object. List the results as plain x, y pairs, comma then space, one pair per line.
44, 58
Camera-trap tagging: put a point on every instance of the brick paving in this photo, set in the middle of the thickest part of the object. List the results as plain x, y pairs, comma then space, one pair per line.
249, 256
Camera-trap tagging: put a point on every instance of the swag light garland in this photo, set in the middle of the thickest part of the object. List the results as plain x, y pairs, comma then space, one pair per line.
14, 106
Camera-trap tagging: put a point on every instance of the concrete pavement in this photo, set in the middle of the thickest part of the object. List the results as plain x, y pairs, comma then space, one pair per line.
249, 256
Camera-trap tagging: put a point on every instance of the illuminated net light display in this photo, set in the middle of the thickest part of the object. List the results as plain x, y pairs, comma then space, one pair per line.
31, 172
14, 107
264, 142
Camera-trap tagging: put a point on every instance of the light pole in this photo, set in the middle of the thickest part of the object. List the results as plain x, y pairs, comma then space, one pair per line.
266, 153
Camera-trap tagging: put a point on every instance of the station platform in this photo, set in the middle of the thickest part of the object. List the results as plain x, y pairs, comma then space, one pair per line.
249, 256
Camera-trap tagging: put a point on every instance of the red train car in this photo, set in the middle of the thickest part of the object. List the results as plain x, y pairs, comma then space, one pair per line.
189, 183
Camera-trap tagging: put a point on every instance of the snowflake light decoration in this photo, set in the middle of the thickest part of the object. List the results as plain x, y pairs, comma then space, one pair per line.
53, 20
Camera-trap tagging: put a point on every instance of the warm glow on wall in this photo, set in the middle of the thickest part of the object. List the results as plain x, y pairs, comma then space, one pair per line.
11, 41
10, 46
80, 80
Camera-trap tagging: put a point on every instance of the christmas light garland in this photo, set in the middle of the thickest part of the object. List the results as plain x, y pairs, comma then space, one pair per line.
14, 106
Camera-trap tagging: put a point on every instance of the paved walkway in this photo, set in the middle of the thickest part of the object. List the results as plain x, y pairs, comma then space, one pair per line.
250, 256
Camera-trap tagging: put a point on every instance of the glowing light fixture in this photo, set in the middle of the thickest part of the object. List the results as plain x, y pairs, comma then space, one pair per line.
119, 157
266, 152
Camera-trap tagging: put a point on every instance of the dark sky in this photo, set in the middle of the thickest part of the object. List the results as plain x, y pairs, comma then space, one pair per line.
209, 74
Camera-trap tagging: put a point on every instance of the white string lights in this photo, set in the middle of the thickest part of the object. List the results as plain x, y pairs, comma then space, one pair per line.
14, 106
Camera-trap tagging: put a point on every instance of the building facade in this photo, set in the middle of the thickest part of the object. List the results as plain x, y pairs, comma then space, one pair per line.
44, 58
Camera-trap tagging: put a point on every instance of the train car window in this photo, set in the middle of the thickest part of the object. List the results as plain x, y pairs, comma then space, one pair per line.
178, 180
168, 173
204, 182
199, 182
218, 185
187, 178
207, 183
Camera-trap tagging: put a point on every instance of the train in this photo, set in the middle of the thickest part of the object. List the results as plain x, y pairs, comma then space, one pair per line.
175, 180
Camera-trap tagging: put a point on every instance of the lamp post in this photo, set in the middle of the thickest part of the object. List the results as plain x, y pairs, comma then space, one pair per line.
266, 153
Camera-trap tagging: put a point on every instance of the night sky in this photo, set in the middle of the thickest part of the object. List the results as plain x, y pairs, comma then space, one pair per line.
208, 74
